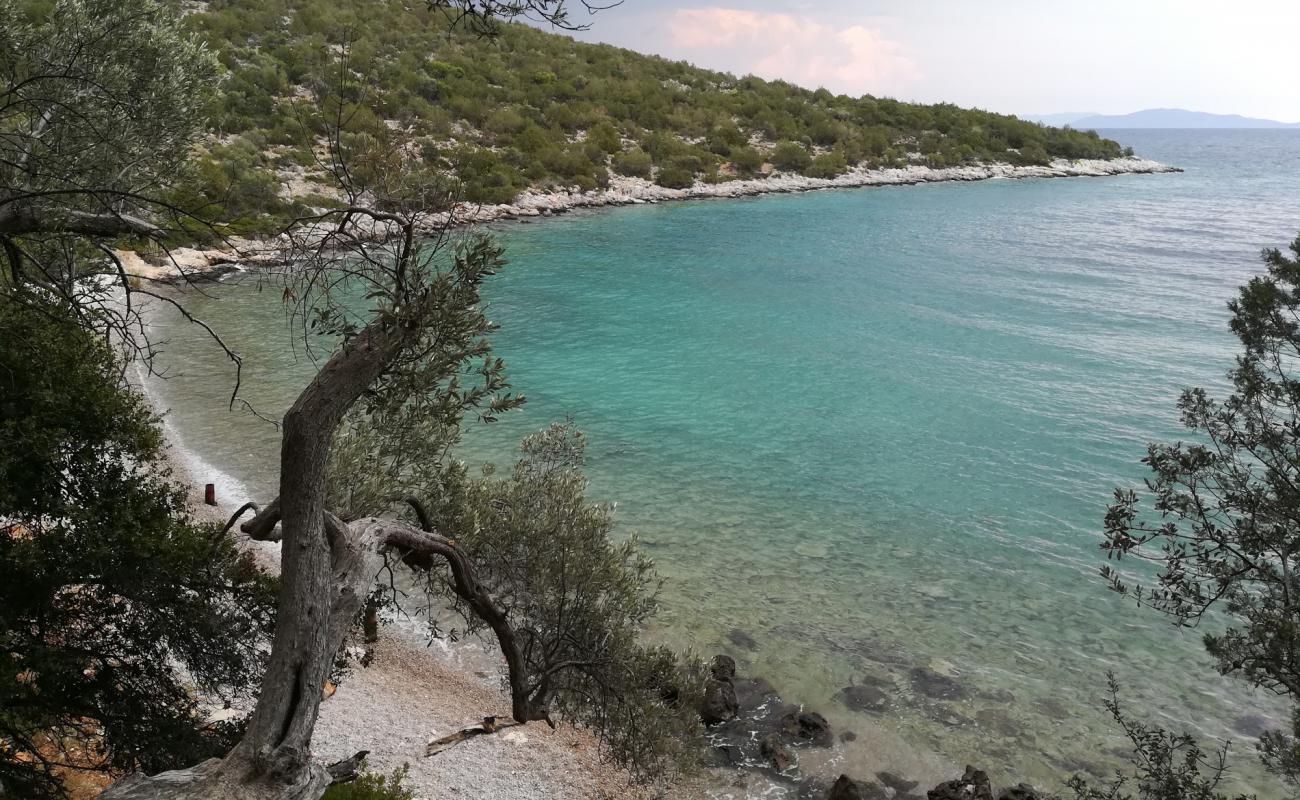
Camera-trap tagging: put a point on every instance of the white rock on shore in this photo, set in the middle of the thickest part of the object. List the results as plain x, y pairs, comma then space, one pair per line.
190, 264
182, 264
626, 191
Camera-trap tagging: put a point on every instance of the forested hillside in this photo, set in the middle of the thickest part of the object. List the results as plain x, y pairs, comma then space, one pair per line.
534, 108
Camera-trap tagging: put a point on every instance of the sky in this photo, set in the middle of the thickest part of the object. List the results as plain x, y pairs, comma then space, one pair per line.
1011, 56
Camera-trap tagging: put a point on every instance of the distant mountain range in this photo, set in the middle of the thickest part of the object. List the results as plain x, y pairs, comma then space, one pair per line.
1158, 118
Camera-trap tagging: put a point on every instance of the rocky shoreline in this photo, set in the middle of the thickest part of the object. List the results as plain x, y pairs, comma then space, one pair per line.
752, 730
634, 191
187, 264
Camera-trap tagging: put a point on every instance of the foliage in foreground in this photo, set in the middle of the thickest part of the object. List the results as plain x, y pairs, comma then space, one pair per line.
1226, 531
372, 786
116, 609
1166, 765
576, 599
581, 601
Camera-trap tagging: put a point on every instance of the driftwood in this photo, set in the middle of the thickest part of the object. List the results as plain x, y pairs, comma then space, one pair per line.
488, 726
346, 771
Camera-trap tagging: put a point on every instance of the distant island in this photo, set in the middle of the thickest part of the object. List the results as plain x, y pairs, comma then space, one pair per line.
1157, 118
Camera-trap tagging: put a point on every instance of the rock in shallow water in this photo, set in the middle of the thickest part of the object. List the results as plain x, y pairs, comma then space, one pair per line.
720, 702
896, 782
1022, 792
998, 695
972, 785
742, 640
864, 698
1253, 724
997, 721
776, 753
845, 788
723, 667
927, 682
807, 727
947, 715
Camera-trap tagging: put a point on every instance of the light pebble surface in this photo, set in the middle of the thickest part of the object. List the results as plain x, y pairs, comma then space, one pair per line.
412, 693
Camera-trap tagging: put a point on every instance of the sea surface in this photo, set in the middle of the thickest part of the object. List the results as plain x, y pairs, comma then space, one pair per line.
867, 430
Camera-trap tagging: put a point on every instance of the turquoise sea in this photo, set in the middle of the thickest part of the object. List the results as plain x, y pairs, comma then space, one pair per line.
873, 429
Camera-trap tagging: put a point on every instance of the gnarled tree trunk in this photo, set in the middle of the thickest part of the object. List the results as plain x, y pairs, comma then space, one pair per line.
327, 569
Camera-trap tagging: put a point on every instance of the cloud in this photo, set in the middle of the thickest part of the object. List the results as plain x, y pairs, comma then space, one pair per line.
853, 59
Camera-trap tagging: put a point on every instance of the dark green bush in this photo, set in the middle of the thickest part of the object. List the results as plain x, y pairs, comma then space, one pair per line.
635, 163
675, 177
746, 160
372, 786
789, 156
827, 165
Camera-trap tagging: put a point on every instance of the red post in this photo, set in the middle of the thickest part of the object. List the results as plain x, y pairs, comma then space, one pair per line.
210, 494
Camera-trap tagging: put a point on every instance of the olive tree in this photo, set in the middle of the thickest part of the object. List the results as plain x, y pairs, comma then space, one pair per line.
1225, 533
100, 102
417, 337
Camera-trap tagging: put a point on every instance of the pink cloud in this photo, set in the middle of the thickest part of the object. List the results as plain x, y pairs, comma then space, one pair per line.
854, 59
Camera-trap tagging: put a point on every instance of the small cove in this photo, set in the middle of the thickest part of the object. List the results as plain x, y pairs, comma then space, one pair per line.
869, 431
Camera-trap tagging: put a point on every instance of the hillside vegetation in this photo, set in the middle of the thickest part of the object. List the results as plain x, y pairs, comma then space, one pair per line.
530, 108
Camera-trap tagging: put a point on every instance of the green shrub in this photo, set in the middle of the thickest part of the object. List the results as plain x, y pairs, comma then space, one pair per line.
605, 136
791, 157
726, 138
373, 786
746, 160
634, 163
1033, 153
827, 165
675, 176
504, 120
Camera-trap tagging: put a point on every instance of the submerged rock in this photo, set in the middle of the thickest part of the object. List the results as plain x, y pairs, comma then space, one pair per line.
845, 788
1052, 708
753, 692
1022, 791
947, 715
998, 695
972, 785
1253, 724
864, 698
807, 727
997, 721
927, 682
724, 755
776, 753
896, 782
742, 640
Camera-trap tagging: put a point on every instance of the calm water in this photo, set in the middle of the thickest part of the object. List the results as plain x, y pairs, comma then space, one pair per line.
873, 429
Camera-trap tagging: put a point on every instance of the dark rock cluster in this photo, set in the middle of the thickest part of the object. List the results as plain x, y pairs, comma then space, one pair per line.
750, 727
